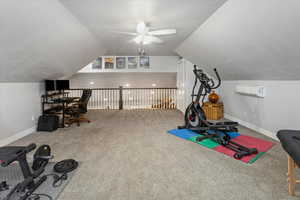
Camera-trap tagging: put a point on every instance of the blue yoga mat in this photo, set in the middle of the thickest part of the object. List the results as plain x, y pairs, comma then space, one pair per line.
186, 133
183, 133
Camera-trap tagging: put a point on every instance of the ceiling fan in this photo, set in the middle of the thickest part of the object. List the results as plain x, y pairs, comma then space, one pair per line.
144, 36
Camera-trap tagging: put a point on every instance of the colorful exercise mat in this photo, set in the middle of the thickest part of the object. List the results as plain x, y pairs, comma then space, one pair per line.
251, 142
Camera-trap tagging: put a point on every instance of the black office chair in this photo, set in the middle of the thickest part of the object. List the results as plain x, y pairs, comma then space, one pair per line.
11, 154
78, 110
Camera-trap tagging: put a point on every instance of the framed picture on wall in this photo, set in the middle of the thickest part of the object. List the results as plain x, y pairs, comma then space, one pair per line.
120, 62
132, 62
109, 62
97, 64
144, 62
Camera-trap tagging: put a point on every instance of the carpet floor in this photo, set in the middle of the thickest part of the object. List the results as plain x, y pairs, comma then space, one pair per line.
127, 155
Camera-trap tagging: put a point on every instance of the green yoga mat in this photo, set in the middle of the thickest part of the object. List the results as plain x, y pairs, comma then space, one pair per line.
207, 142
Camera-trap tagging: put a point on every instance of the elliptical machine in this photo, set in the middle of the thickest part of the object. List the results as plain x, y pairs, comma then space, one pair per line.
196, 121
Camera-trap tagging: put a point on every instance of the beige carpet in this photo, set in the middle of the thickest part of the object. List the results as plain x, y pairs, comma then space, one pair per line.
127, 155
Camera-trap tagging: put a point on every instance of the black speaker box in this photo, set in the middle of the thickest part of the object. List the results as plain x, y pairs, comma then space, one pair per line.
48, 123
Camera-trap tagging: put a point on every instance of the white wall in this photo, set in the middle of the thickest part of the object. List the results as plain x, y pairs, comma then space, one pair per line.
157, 64
113, 80
19, 110
278, 110
185, 81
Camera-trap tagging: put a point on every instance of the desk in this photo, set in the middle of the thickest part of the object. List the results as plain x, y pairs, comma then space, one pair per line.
57, 104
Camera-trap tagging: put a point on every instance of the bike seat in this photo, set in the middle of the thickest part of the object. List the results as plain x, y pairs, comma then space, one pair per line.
6, 151
12, 153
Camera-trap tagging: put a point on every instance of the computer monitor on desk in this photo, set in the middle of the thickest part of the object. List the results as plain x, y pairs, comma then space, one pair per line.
62, 85
50, 85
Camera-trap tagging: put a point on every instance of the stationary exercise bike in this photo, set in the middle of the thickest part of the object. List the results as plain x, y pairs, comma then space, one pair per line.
196, 121
32, 179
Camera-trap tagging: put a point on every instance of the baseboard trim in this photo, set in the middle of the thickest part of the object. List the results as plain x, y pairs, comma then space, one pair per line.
17, 136
252, 126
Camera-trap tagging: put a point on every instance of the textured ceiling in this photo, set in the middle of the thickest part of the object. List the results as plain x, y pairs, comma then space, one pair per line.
41, 39
102, 17
249, 40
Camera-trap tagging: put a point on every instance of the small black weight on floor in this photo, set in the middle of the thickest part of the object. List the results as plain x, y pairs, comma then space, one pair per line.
41, 157
65, 166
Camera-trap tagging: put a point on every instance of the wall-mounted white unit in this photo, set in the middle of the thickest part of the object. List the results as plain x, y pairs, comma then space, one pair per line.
257, 91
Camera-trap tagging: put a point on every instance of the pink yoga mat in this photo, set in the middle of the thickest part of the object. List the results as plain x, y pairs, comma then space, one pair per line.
247, 141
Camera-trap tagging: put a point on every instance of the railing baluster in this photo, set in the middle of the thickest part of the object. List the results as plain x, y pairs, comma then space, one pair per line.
130, 103
92, 100
171, 99
97, 95
144, 99
109, 99
125, 99
106, 99
175, 98
148, 92
169, 96
138, 105
139, 99
165, 100
117, 99
133, 98
102, 99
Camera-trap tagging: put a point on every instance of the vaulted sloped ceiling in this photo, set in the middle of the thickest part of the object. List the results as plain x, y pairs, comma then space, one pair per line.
104, 17
44, 39
249, 40
244, 39
41, 39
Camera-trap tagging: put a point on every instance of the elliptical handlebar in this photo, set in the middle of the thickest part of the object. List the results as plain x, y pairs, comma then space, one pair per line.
208, 82
218, 78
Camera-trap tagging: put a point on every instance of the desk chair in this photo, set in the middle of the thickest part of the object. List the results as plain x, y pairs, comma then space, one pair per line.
78, 110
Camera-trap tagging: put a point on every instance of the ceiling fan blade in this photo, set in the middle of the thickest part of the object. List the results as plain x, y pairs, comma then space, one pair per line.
163, 32
152, 39
138, 39
124, 33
